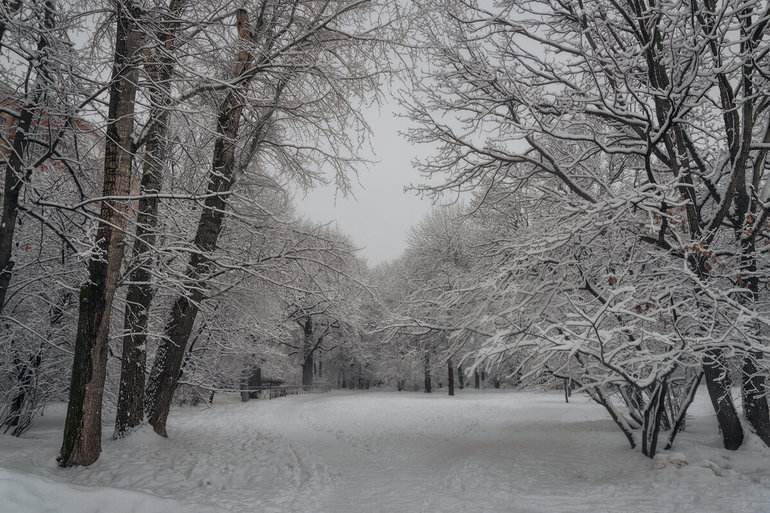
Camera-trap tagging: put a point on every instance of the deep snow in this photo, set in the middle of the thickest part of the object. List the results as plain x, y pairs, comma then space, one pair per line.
386, 452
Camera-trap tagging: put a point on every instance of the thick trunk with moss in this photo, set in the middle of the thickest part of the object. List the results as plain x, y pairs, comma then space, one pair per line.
83, 426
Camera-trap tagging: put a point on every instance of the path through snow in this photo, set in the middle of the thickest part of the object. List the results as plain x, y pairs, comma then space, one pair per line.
385, 452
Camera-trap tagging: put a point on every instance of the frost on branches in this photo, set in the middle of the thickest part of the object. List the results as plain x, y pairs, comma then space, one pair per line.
631, 140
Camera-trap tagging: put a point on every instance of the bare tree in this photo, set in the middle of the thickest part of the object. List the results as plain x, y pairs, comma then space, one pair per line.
83, 426
294, 57
159, 67
605, 110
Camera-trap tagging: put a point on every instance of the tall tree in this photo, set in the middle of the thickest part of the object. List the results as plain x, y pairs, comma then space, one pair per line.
168, 360
83, 425
310, 59
159, 67
15, 155
620, 124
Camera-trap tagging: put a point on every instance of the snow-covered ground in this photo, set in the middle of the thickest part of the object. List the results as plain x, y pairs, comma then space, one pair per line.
386, 452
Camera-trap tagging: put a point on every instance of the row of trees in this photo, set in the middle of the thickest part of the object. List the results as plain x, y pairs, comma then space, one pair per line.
148, 148
612, 228
614, 160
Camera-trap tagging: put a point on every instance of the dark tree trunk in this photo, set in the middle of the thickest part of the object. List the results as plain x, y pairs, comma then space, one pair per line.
307, 371
718, 385
652, 419
451, 377
598, 396
681, 415
165, 370
130, 407
307, 352
755, 405
460, 377
426, 370
83, 427
16, 173
25, 375
476, 380
168, 362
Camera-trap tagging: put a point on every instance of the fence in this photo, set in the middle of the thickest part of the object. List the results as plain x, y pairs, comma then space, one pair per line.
271, 392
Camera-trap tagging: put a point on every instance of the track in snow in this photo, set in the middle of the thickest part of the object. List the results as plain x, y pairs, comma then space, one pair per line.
389, 452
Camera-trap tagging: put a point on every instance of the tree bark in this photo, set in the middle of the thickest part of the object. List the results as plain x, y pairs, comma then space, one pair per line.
307, 353
426, 371
460, 377
476, 380
451, 377
718, 385
165, 370
16, 174
652, 419
25, 375
130, 407
755, 405
83, 426
681, 415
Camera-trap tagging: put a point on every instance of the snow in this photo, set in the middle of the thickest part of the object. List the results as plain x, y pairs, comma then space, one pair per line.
387, 452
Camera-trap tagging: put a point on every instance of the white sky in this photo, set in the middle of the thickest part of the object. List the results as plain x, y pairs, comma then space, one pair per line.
379, 217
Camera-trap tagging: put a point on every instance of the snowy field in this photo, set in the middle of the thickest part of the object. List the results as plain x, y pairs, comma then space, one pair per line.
386, 452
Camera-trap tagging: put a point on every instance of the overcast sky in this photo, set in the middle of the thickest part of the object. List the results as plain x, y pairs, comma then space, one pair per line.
380, 216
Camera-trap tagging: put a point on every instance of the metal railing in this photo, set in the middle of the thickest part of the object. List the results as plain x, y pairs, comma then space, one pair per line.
272, 392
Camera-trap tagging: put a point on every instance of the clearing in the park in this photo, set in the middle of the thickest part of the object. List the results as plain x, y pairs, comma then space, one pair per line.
383, 452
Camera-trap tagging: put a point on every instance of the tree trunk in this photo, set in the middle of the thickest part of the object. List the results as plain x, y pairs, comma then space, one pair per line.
130, 407
165, 369
681, 415
307, 371
25, 376
16, 173
617, 417
426, 370
83, 426
307, 352
451, 377
755, 405
718, 385
460, 377
476, 380
653, 414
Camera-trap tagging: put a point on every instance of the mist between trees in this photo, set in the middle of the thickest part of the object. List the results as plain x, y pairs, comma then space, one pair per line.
613, 238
